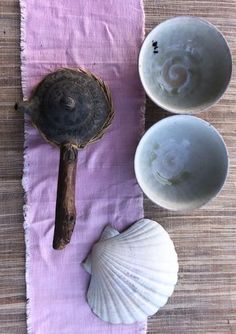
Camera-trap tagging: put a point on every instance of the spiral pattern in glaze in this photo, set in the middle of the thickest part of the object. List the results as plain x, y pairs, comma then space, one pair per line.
171, 160
178, 71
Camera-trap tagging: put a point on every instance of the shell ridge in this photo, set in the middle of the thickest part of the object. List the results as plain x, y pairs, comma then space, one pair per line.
126, 263
102, 279
86, 264
104, 288
124, 279
108, 232
153, 269
91, 292
133, 228
129, 254
126, 284
122, 289
152, 231
143, 241
141, 279
101, 302
137, 237
125, 305
116, 299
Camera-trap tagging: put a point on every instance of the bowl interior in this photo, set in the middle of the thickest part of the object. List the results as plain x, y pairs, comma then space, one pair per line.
181, 162
185, 64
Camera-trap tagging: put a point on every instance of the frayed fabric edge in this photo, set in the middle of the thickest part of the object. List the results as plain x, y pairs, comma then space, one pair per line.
23, 47
25, 183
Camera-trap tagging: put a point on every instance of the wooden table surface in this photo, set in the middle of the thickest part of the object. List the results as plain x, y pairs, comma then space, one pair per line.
205, 297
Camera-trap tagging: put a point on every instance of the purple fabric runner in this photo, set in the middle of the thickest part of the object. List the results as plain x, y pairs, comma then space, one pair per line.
104, 37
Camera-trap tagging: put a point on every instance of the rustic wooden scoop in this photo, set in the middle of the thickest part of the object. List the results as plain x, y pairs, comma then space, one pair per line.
71, 108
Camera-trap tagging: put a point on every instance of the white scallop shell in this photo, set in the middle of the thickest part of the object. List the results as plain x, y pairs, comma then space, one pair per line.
132, 273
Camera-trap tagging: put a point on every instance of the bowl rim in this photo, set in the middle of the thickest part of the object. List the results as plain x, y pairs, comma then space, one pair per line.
200, 120
186, 111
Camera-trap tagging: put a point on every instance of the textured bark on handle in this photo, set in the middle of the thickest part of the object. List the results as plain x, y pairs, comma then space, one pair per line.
65, 206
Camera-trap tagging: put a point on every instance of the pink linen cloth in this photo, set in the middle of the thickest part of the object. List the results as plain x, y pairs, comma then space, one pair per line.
104, 37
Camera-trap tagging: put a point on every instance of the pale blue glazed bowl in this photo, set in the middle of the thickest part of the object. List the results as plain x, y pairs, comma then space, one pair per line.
181, 162
185, 64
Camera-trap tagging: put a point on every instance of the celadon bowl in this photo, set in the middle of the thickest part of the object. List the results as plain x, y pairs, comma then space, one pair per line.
181, 162
185, 64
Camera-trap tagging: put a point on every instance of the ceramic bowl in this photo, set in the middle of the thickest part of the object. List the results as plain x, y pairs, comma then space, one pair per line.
181, 162
185, 64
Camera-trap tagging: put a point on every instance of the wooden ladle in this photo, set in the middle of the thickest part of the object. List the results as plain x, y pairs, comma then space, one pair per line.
71, 108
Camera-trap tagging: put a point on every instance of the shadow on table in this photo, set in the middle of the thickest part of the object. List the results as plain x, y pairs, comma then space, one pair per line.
154, 113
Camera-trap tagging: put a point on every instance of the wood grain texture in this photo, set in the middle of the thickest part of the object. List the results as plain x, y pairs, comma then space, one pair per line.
65, 206
204, 301
12, 249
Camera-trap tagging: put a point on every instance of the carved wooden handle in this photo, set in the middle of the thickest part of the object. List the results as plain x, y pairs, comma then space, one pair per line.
65, 206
